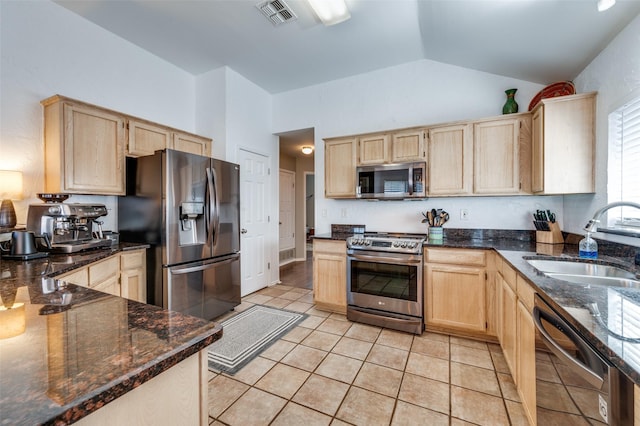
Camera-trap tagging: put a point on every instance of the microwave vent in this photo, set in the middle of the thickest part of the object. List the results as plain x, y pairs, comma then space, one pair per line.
277, 11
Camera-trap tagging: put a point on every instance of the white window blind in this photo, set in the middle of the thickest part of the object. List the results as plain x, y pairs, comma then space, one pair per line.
624, 163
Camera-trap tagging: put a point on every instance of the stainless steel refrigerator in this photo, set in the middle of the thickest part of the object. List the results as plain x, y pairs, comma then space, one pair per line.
187, 208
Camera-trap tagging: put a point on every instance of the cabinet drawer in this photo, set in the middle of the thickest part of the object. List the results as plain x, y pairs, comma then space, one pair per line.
132, 260
456, 256
103, 270
525, 292
79, 277
330, 246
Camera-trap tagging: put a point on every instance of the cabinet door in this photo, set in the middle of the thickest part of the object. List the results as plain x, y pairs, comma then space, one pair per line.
496, 157
340, 168
373, 150
455, 297
192, 144
110, 286
509, 328
105, 275
450, 160
78, 277
93, 151
537, 150
526, 362
146, 138
330, 275
133, 277
408, 146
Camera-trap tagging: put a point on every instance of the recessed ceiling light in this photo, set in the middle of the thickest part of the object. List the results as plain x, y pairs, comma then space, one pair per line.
605, 4
330, 12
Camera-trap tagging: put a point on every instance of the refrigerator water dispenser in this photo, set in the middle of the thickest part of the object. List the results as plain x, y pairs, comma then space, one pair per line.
189, 214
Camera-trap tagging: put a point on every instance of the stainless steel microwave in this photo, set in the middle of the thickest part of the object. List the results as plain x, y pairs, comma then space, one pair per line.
392, 181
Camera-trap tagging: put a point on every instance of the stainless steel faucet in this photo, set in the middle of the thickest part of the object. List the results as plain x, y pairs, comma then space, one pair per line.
591, 226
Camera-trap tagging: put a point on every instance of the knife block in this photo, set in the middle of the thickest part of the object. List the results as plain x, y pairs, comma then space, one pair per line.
554, 236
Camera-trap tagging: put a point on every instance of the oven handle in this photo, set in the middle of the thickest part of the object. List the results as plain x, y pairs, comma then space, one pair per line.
399, 261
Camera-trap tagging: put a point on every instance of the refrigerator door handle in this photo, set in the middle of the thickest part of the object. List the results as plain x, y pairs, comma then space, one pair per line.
216, 205
210, 204
190, 269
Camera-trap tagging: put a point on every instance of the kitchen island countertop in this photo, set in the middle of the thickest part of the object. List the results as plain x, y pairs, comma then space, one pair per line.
81, 349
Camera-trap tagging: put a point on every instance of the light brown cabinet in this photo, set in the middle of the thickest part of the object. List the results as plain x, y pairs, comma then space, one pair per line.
340, 168
408, 146
508, 329
526, 361
563, 145
191, 143
455, 293
145, 138
133, 275
123, 274
330, 275
502, 155
373, 149
84, 148
450, 160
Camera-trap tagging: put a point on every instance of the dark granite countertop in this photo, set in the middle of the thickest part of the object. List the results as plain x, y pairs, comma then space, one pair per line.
78, 348
619, 307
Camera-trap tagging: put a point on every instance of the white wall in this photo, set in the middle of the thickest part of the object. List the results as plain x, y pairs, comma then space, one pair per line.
47, 50
615, 75
418, 93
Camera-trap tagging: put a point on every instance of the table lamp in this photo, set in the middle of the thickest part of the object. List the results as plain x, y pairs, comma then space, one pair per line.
10, 189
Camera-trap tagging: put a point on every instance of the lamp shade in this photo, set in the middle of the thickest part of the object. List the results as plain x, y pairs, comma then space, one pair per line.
10, 185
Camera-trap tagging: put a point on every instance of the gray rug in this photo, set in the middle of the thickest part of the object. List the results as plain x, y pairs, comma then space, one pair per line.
249, 333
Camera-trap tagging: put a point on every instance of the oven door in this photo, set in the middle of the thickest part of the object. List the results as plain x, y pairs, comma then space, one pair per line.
390, 282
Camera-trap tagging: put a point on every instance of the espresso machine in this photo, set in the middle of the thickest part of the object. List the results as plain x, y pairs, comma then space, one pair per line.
69, 227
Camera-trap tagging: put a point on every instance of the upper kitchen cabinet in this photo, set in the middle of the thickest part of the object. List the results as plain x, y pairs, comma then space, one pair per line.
563, 145
146, 138
502, 155
450, 162
408, 146
191, 143
84, 148
373, 149
340, 168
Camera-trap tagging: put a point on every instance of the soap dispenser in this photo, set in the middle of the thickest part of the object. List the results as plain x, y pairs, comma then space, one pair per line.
588, 248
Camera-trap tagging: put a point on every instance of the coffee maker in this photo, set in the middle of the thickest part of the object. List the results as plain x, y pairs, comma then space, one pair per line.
69, 227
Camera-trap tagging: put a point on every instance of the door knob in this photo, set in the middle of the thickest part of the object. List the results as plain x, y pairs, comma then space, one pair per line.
243, 231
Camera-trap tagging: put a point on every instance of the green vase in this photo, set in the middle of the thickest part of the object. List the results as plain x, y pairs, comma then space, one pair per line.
510, 106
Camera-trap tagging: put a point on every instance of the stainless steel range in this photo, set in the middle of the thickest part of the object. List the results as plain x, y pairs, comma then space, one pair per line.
384, 280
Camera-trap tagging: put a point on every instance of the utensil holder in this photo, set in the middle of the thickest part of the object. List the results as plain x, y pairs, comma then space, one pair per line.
554, 236
435, 233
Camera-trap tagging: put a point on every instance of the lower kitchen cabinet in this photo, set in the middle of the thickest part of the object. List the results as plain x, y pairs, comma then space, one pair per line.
330, 275
123, 274
508, 326
455, 291
526, 361
133, 275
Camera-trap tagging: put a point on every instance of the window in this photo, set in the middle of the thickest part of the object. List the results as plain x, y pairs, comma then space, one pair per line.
624, 165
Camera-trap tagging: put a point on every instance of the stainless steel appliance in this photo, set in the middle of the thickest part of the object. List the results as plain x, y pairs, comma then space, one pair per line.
69, 227
384, 281
392, 181
186, 207
574, 383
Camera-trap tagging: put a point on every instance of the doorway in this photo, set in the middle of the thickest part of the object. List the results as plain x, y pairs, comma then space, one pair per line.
301, 165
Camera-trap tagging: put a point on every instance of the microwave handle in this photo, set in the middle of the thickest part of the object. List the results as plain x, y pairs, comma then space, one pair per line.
411, 180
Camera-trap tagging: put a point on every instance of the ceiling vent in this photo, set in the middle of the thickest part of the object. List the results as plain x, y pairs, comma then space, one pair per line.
277, 11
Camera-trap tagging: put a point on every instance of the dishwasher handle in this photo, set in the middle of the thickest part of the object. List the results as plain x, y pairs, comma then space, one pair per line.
592, 360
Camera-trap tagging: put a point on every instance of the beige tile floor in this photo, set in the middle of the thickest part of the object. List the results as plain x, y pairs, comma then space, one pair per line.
330, 371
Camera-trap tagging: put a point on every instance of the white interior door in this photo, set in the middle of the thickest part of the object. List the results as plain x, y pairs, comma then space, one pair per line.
254, 221
287, 210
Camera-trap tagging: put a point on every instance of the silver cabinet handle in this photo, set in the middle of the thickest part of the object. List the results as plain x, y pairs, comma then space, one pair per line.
243, 231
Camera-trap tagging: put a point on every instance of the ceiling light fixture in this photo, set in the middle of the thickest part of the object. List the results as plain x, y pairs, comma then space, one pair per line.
331, 12
306, 150
605, 4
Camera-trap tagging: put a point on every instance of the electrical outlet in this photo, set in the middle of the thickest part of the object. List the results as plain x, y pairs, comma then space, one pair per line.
343, 213
324, 212
602, 408
464, 214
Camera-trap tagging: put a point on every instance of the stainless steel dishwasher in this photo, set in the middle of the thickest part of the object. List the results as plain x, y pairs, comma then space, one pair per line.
575, 385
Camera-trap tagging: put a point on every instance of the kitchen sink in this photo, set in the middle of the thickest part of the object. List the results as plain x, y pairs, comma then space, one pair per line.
585, 273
